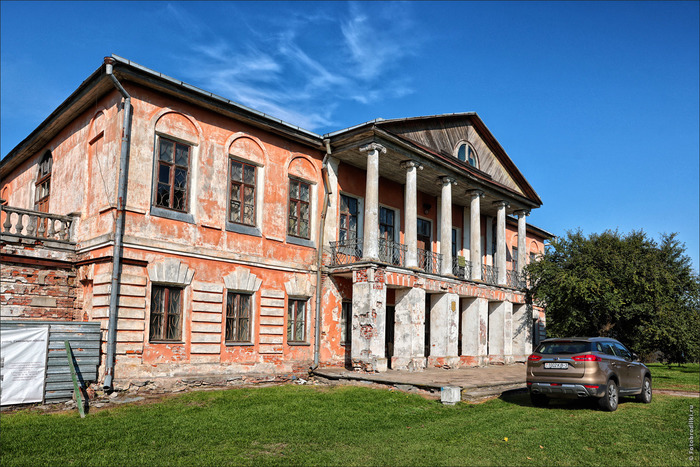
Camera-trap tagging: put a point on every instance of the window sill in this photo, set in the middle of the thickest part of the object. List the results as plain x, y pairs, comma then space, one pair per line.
299, 344
243, 229
173, 215
239, 344
160, 342
300, 241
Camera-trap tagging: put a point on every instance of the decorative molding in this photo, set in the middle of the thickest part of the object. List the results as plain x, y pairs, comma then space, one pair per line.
242, 280
522, 213
299, 286
475, 193
170, 271
445, 180
501, 203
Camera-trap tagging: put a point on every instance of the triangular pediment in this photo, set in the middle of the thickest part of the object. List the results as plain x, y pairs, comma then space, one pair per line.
444, 134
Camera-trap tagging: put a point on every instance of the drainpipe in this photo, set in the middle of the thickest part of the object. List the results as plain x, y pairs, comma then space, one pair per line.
118, 229
319, 258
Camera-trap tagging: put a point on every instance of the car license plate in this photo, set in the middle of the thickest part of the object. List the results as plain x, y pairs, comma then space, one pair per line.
556, 366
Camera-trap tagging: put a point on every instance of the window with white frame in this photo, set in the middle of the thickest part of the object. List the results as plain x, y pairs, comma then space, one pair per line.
172, 175
166, 313
296, 320
299, 219
242, 193
238, 317
348, 221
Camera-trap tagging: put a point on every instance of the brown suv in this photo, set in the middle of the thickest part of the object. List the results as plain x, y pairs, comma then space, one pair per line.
580, 367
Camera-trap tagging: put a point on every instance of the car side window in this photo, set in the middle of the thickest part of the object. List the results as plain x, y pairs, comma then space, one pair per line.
622, 351
607, 348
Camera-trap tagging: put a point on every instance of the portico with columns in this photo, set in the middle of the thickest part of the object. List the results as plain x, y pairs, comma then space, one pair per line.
445, 291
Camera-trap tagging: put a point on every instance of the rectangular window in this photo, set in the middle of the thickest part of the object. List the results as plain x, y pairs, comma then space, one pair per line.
299, 209
348, 218
386, 223
166, 313
296, 321
238, 317
514, 259
172, 175
346, 323
242, 193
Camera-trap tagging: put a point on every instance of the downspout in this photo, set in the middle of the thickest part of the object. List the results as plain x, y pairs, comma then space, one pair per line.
118, 229
319, 258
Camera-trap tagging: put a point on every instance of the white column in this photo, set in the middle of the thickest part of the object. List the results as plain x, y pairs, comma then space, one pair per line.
474, 330
370, 242
444, 331
522, 240
411, 213
522, 332
368, 320
446, 225
475, 230
501, 242
409, 330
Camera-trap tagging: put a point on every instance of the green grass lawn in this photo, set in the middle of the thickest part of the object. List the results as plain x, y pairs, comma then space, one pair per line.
685, 377
349, 425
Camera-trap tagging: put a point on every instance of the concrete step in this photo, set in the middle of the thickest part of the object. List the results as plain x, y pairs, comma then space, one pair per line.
479, 393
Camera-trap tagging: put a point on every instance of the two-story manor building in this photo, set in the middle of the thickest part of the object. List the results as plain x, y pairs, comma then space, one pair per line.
209, 238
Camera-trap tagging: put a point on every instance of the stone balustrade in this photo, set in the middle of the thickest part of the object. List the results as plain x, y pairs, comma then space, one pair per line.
25, 223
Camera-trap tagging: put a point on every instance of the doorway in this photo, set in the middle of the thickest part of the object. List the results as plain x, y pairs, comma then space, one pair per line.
423, 245
389, 334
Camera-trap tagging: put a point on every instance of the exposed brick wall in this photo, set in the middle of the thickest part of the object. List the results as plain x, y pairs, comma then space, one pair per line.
29, 291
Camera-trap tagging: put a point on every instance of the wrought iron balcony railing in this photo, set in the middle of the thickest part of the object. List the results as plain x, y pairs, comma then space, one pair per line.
36, 225
392, 252
461, 267
515, 279
490, 274
346, 251
429, 261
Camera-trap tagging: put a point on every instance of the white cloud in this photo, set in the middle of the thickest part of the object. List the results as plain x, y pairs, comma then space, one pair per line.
305, 63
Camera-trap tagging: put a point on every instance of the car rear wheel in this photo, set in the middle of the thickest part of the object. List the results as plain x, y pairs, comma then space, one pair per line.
539, 400
609, 401
645, 395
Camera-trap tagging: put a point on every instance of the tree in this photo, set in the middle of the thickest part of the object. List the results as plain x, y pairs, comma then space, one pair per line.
624, 286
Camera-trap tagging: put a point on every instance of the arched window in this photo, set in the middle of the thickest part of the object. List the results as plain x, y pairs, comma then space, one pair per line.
43, 183
466, 153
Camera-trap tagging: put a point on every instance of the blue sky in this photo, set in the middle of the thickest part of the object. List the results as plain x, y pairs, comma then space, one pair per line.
597, 103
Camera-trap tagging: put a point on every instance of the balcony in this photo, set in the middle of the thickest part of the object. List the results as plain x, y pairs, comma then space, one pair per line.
515, 279
392, 252
38, 226
461, 267
347, 251
429, 262
490, 274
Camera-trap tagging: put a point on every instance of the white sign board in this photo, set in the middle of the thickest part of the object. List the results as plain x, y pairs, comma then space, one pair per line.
23, 364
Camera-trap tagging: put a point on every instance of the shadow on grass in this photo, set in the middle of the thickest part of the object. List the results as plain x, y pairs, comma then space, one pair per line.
521, 397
